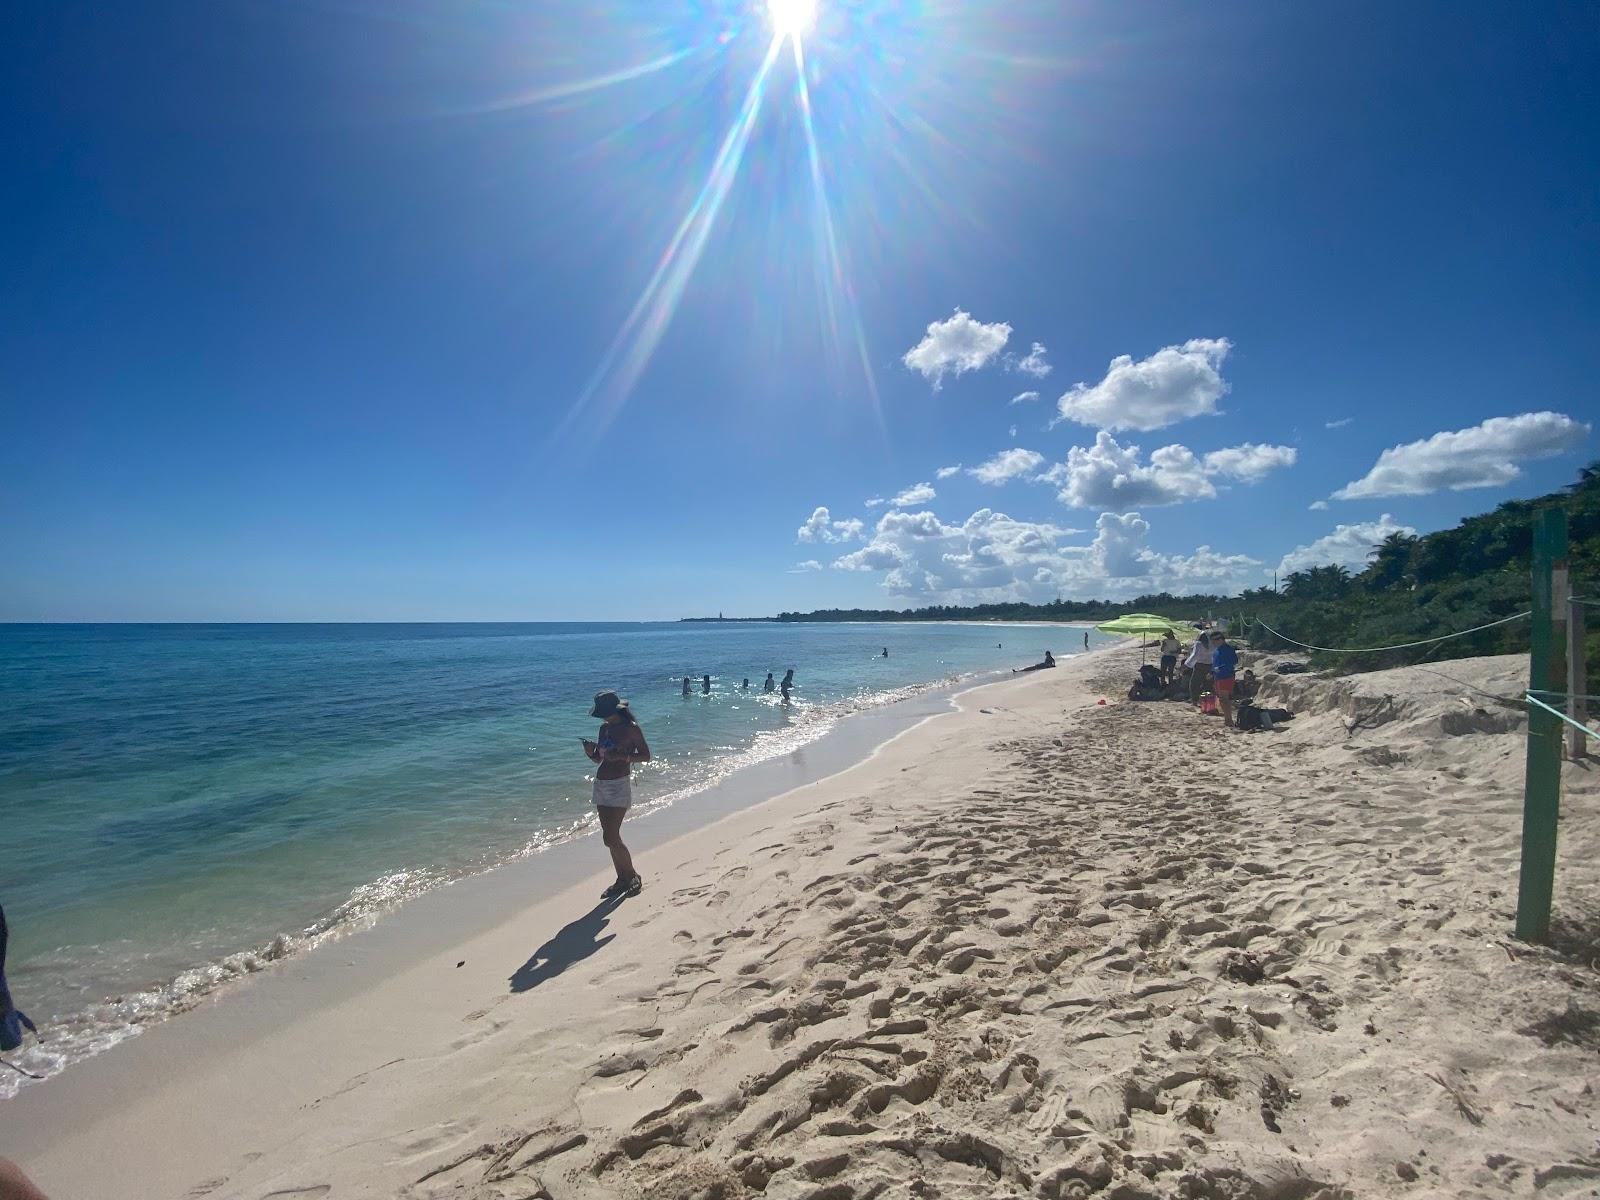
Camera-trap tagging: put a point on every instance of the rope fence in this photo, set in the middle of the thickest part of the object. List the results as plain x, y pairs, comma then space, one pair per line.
1533, 698
1443, 637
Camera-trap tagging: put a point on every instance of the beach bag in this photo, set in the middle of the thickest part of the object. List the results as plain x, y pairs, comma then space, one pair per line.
1291, 668
1208, 705
1248, 716
1150, 677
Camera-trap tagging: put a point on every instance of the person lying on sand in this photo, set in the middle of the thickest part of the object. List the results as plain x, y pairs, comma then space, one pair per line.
1049, 661
621, 743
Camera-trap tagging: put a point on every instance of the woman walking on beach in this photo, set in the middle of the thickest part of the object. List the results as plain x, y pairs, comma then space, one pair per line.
620, 744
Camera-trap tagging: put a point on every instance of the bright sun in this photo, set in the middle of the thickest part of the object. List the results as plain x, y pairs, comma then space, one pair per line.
792, 18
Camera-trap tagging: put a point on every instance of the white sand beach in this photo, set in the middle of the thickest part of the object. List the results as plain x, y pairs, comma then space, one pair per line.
1034, 947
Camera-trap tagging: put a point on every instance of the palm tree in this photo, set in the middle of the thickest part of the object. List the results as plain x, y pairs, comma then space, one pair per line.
1391, 562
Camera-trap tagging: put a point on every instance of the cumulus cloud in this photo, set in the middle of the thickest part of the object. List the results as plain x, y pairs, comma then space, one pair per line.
946, 472
810, 564
821, 527
1110, 475
1318, 506
957, 344
1007, 465
1250, 462
1485, 455
917, 493
1024, 397
1347, 546
991, 556
1172, 385
1031, 363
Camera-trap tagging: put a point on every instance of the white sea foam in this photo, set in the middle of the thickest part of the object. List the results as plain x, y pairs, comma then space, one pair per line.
100, 1026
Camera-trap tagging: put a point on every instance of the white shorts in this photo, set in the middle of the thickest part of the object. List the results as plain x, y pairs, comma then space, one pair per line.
613, 793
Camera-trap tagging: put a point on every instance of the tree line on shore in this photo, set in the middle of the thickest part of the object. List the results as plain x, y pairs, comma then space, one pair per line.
1412, 588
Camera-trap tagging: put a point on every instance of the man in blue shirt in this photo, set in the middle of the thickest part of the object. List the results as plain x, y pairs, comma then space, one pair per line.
1224, 661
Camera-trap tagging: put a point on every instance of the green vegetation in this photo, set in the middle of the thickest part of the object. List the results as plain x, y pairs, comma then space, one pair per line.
1413, 588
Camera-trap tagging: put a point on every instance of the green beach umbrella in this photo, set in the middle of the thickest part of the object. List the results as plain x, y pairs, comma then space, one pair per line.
1147, 624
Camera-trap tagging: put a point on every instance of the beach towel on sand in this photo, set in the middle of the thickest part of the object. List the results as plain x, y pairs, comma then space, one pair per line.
12, 1022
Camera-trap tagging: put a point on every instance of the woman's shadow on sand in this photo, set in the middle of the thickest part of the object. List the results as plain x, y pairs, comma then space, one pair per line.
576, 942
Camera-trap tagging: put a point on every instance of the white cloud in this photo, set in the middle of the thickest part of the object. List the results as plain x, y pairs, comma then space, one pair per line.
1172, 385
1339, 424
1032, 363
1012, 432
821, 527
917, 493
1251, 462
810, 564
877, 502
1347, 546
1007, 465
1024, 397
1318, 506
957, 344
946, 472
991, 556
1109, 475
1485, 455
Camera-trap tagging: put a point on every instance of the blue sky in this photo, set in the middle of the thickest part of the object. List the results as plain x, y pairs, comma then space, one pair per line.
358, 310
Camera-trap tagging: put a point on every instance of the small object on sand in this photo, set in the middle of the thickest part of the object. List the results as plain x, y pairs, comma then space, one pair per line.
1102, 700
461, 964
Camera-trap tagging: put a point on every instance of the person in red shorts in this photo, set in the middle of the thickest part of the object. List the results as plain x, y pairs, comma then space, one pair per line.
1224, 662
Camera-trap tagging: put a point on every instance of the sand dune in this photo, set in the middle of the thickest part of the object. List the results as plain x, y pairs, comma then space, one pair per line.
1038, 947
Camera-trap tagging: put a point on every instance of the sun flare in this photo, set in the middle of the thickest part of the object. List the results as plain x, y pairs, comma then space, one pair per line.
792, 18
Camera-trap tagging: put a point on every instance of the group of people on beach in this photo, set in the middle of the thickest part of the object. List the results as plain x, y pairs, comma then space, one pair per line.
1211, 665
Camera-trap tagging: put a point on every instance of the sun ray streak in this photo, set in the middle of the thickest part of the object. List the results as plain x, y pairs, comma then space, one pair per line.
631, 350
580, 87
837, 286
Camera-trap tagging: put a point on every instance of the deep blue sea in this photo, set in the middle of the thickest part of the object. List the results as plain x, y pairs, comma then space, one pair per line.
182, 804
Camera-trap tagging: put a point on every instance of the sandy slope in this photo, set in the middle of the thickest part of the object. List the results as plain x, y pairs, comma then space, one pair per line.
1037, 947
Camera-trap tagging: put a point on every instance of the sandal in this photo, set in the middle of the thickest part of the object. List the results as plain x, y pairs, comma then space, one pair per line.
635, 886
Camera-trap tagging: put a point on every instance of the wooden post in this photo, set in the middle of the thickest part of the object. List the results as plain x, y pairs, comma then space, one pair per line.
1577, 680
1541, 799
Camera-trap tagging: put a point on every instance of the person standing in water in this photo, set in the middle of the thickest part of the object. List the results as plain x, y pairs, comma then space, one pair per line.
767, 686
886, 652
705, 685
787, 684
1085, 639
685, 685
620, 744
745, 687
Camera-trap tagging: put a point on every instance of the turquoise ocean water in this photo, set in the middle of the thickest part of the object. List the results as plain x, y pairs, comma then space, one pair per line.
183, 804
